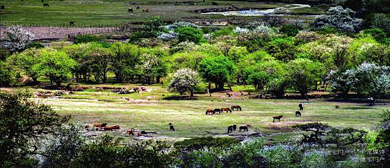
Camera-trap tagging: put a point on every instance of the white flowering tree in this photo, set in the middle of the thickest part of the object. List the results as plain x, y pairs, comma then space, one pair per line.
340, 18
18, 38
184, 80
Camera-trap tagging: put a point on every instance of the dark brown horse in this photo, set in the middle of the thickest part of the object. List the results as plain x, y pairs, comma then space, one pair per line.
217, 111
298, 114
232, 128
45, 5
145, 10
243, 128
236, 107
277, 118
71, 23
171, 128
130, 10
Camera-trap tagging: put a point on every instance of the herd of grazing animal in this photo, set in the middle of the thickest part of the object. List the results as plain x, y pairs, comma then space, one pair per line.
131, 10
211, 111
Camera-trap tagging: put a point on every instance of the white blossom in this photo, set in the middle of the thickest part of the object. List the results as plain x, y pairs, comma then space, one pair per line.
18, 38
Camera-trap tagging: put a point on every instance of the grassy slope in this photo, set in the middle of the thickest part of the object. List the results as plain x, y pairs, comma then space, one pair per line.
149, 112
108, 12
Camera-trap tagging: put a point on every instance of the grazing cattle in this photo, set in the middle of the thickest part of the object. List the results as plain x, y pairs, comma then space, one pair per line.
130, 10
2, 7
236, 107
232, 128
71, 23
243, 128
300, 106
217, 111
210, 111
145, 10
277, 118
226, 109
110, 128
298, 114
337, 106
45, 5
171, 128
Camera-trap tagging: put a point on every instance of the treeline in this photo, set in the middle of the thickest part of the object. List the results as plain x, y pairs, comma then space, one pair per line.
273, 59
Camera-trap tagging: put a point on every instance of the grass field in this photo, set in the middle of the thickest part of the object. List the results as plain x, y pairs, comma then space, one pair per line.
95, 13
151, 111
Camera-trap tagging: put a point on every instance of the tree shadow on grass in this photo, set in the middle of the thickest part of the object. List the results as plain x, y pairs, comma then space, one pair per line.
180, 98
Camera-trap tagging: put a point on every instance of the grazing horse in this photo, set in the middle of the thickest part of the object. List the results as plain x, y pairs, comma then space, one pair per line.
71, 23
337, 106
232, 128
45, 5
110, 128
300, 106
171, 128
145, 10
2, 7
130, 10
210, 111
226, 109
243, 128
217, 111
236, 107
42, 0
298, 114
130, 132
100, 125
137, 7
277, 118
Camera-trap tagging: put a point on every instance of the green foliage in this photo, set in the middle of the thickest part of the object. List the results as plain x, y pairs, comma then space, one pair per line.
378, 34
55, 65
150, 29
86, 39
203, 142
5, 74
186, 60
125, 57
217, 70
290, 30
303, 74
26, 61
35, 45
23, 123
283, 49
381, 21
184, 80
190, 34
237, 53
223, 32
100, 62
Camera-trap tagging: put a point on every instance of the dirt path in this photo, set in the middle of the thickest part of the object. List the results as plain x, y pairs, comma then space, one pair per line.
60, 32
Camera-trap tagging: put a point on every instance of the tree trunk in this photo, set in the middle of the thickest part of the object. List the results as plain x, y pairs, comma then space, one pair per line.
192, 93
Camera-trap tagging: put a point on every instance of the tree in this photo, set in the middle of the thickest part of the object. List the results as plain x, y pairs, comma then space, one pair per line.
55, 65
283, 49
303, 74
217, 70
23, 124
340, 18
78, 52
18, 38
259, 79
236, 53
153, 65
186, 60
372, 79
124, 60
101, 62
26, 61
342, 81
184, 80
190, 34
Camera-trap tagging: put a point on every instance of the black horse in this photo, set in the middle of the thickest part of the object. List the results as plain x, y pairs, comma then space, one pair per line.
298, 114
300, 106
45, 5
244, 128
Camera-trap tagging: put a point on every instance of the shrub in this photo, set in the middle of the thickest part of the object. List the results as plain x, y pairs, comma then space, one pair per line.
35, 45
223, 32
202, 142
190, 34
340, 18
5, 74
290, 30
86, 39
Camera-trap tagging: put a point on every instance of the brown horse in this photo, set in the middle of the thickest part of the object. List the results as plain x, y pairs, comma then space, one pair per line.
226, 109
210, 111
277, 118
232, 128
145, 10
110, 128
236, 107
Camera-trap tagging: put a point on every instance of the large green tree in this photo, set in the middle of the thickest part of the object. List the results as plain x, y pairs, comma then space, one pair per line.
218, 70
303, 74
124, 60
23, 124
55, 65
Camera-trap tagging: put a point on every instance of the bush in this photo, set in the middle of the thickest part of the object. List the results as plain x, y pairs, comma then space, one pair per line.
223, 32
290, 30
5, 74
35, 45
202, 142
86, 39
283, 49
340, 18
190, 34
